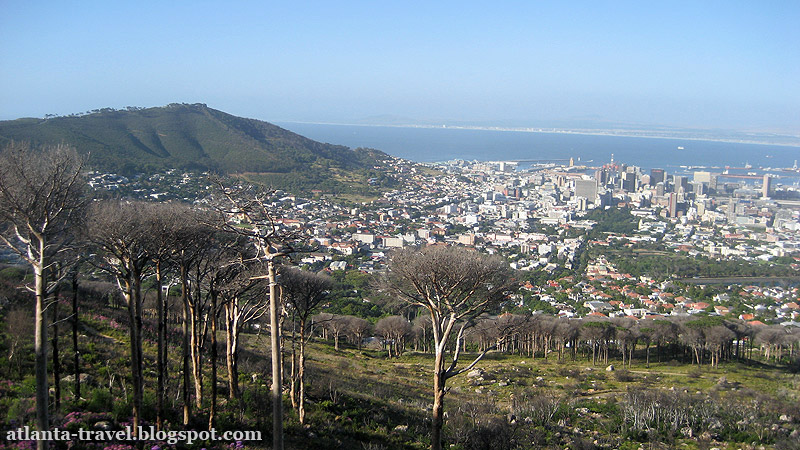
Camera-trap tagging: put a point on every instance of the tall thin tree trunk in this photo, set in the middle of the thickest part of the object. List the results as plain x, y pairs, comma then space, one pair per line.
301, 375
230, 353
194, 345
277, 395
294, 374
56, 359
136, 364
75, 351
438, 399
161, 350
138, 393
212, 416
187, 405
40, 349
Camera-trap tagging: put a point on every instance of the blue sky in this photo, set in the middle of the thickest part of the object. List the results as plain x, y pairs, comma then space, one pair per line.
729, 64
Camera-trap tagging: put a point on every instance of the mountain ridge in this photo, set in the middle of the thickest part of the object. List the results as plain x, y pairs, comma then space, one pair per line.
187, 137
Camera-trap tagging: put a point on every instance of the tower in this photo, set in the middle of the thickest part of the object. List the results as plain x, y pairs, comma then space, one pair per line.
766, 186
673, 204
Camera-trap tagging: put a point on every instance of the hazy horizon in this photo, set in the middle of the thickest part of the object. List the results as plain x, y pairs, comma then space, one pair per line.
726, 65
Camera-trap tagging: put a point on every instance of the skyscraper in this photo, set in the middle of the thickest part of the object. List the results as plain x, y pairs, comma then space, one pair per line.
657, 176
766, 186
629, 181
672, 208
586, 189
680, 184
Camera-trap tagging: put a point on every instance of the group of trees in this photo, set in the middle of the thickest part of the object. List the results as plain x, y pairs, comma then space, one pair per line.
219, 265
698, 340
226, 259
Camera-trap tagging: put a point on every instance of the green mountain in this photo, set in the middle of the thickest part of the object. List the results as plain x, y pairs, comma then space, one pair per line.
196, 137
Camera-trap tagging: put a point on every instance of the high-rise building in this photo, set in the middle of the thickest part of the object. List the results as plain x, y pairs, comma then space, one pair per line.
672, 207
702, 177
657, 176
586, 189
600, 176
629, 181
766, 186
680, 183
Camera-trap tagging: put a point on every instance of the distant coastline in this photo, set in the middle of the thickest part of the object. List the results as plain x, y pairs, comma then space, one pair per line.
693, 135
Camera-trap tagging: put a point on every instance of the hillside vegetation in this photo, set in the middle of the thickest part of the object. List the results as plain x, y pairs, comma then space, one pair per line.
196, 137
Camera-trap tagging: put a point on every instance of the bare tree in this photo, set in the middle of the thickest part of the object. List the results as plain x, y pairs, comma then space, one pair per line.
357, 329
189, 237
243, 299
596, 333
18, 329
719, 338
454, 285
332, 325
121, 231
303, 292
272, 241
393, 330
224, 263
626, 336
165, 220
40, 200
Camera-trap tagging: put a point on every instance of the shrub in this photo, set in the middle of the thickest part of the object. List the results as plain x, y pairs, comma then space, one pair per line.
100, 400
624, 376
21, 410
12, 274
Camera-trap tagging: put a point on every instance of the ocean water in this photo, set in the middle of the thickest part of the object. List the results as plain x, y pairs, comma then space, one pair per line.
442, 144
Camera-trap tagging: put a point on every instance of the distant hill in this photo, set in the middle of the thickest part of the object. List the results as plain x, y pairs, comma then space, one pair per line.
194, 137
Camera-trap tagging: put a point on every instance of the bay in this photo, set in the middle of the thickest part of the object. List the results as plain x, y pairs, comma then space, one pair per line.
442, 144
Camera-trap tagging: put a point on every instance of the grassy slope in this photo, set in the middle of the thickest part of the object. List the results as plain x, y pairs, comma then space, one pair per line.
360, 399
191, 137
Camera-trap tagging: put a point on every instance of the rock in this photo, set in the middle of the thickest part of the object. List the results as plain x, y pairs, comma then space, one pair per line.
610, 368
785, 418
85, 379
103, 425
502, 384
474, 373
